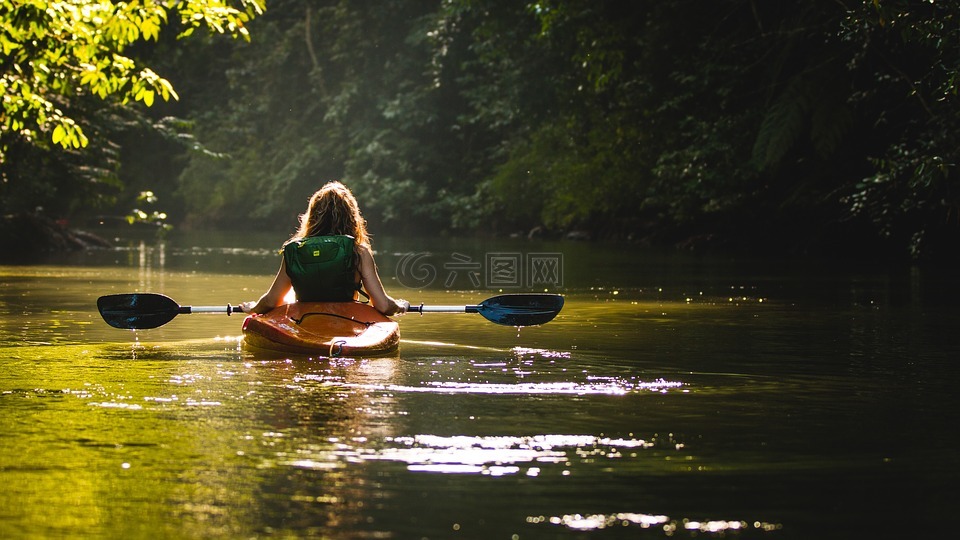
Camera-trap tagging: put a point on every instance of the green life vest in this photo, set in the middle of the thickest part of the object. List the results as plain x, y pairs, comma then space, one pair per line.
322, 268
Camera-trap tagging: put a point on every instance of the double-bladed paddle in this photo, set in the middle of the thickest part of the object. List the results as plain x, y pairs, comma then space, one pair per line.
140, 311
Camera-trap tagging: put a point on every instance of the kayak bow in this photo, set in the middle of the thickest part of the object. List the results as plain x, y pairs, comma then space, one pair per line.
328, 328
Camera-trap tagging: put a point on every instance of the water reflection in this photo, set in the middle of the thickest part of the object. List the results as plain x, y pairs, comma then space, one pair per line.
494, 455
703, 403
151, 262
609, 387
669, 526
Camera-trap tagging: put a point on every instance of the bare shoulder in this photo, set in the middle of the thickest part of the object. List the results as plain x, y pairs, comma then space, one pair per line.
365, 254
364, 251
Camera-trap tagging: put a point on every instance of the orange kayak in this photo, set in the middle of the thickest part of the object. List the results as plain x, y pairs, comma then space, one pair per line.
323, 328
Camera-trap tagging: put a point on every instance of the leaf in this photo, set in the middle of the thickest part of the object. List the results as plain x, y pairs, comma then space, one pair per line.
58, 134
785, 121
168, 90
829, 126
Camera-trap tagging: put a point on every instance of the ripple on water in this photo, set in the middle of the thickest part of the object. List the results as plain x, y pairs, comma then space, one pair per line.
485, 455
598, 387
670, 526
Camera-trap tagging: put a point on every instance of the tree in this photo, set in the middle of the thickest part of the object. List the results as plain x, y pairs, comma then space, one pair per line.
57, 54
336, 90
806, 126
909, 69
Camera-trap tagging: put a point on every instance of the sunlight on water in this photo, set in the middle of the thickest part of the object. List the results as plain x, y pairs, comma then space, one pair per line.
117, 405
671, 527
518, 373
611, 387
433, 345
544, 353
490, 455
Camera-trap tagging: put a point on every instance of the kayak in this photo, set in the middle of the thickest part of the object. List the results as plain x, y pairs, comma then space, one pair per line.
323, 328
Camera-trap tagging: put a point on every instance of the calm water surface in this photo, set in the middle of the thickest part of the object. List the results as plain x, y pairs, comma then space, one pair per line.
674, 397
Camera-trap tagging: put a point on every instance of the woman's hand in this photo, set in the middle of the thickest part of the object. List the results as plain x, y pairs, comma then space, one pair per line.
402, 307
247, 307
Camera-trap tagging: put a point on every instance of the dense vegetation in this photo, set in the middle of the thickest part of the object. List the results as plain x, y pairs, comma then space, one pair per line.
739, 124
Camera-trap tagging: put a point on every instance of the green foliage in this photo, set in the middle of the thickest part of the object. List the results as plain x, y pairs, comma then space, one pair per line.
63, 181
61, 48
910, 194
828, 123
265, 127
58, 53
364, 111
646, 119
155, 218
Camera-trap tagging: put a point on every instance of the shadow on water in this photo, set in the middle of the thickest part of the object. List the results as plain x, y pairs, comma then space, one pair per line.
672, 397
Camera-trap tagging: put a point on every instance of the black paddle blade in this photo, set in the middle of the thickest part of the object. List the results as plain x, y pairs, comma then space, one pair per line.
521, 309
137, 311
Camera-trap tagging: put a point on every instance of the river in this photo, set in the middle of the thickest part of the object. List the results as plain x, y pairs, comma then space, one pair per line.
675, 396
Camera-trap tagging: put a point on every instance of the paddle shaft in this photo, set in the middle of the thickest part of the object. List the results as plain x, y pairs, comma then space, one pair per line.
444, 309
183, 310
413, 309
210, 309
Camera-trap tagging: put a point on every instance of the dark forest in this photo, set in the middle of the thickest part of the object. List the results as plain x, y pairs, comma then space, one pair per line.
732, 125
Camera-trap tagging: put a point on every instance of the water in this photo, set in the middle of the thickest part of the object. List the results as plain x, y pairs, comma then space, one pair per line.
674, 397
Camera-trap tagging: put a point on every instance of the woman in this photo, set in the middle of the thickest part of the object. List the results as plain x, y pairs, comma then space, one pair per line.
329, 259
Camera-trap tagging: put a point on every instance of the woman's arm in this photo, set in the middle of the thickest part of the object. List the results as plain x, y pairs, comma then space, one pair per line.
370, 279
274, 295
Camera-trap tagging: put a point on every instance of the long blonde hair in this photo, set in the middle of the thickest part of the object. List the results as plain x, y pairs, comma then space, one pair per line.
333, 210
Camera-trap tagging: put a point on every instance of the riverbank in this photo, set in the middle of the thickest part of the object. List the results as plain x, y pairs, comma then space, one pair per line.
25, 236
